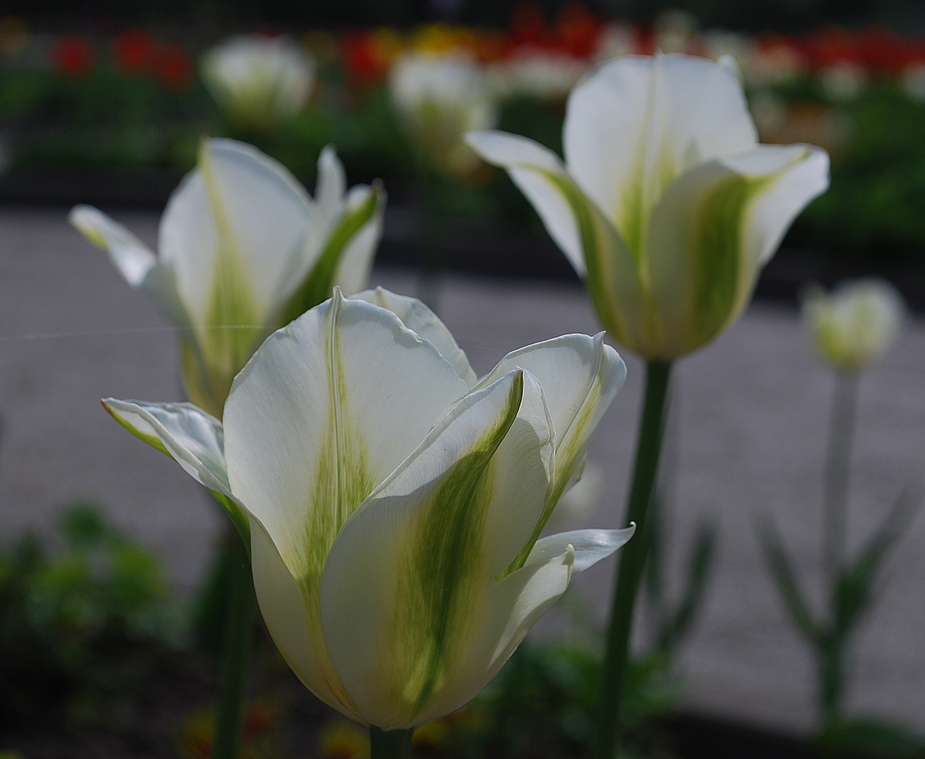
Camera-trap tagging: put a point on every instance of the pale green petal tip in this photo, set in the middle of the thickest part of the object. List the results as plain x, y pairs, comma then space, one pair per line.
139, 428
86, 220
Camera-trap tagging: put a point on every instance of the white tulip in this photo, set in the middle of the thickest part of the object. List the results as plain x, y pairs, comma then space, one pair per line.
666, 204
854, 325
243, 250
258, 81
439, 99
394, 502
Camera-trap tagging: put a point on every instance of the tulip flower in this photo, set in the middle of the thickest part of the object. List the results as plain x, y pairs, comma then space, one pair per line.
394, 502
243, 250
258, 81
439, 99
855, 324
668, 208
666, 204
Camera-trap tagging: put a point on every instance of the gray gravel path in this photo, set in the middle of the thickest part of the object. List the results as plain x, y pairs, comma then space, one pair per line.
747, 440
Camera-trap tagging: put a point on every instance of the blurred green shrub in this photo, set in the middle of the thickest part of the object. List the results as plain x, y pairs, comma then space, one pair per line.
79, 626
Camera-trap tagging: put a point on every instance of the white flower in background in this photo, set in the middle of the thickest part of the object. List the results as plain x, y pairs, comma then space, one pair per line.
616, 39
854, 325
666, 204
536, 74
258, 81
842, 81
438, 99
394, 502
913, 82
243, 250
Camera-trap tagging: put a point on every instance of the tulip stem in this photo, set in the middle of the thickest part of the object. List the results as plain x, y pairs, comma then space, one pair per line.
389, 744
236, 644
837, 469
632, 559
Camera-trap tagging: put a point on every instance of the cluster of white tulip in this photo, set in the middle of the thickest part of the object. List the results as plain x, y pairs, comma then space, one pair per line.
392, 502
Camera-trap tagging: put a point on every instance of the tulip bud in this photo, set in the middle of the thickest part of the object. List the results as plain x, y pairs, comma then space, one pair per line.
856, 324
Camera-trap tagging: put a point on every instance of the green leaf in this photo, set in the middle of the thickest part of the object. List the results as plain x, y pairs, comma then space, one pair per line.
698, 572
856, 588
786, 581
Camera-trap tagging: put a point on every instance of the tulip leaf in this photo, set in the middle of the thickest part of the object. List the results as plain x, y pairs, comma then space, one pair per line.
856, 585
786, 581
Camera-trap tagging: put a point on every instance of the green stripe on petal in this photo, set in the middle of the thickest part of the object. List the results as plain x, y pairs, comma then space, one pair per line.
410, 570
320, 281
444, 562
232, 323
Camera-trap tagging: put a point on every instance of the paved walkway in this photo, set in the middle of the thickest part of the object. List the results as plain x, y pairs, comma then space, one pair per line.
748, 439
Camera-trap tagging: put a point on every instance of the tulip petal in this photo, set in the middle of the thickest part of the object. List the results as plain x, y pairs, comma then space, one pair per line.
132, 258
235, 229
332, 183
410, 572
590, 546
287, 618
363, 221
529, 163
346, 254
325, 410
638, 122
580, 377
713, 229
589, 240
507, 611
193, 438
417, 317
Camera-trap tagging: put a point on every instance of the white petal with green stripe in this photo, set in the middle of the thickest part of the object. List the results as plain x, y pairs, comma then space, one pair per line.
417, 317
580, 377
408, 581
712, 231
589, 240
639, 122
325, 410
134, 260
193, 438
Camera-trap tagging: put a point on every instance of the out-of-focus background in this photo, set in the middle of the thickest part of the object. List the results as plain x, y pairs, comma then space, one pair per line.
106, 103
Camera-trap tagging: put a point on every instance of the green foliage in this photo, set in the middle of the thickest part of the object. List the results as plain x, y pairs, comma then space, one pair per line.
875, 205
868, 739
851, 595
545, 702
79, 625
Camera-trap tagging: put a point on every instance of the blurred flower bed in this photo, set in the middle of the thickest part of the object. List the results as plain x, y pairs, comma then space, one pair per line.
135, 102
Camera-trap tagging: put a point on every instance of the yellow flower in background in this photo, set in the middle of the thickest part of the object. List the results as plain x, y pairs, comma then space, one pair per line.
258, 81
393, 502
856, 324
243, 250
666, 204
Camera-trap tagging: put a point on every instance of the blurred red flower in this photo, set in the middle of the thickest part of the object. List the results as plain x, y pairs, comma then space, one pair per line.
133, 51
73, 56
173, 65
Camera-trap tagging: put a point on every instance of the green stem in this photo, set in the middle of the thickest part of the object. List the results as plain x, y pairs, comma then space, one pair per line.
837, 468
389, 744
239, 627
632, 559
